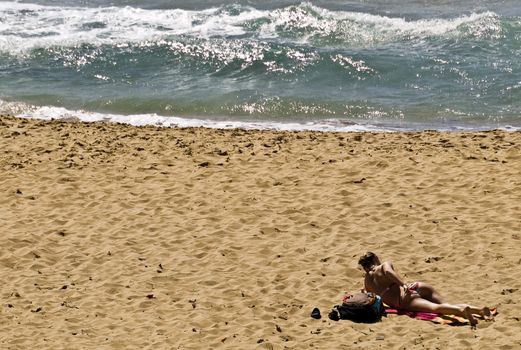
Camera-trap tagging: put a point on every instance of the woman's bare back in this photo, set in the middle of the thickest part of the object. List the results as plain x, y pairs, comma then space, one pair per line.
378, 282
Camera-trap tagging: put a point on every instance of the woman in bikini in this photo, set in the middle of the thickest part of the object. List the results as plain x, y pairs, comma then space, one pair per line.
381, 279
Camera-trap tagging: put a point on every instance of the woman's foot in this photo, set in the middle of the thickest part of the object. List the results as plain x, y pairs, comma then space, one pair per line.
486, 314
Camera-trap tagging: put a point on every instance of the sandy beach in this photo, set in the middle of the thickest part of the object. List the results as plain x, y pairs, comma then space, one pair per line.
122, 237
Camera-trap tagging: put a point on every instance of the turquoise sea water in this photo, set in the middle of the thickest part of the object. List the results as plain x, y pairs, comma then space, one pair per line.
326, 65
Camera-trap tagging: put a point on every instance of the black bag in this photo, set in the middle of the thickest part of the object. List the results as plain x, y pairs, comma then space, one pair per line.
359, 307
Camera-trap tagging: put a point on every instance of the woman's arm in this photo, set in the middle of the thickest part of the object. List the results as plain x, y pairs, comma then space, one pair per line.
392, 275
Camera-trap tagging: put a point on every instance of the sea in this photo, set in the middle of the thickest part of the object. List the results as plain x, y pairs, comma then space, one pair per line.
327, 65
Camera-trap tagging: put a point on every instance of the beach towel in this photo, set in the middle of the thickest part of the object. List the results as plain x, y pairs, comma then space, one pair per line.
434, 317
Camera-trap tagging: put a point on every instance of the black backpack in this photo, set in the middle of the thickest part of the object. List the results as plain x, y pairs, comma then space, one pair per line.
359, 307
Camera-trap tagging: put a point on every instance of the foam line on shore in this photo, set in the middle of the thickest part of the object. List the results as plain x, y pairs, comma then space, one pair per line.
23, 110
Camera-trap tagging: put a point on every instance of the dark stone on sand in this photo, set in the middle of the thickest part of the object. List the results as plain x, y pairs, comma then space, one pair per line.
508, 291
316, 314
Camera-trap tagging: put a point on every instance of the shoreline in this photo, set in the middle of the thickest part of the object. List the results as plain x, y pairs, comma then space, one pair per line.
118, 236
50, 113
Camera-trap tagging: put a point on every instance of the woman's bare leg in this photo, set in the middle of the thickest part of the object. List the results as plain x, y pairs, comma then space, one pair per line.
428, 292
423, 305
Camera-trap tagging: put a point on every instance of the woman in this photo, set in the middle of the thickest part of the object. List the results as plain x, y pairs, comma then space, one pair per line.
381, 279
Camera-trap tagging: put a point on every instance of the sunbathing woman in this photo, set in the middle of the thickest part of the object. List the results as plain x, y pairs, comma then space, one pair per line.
381, 279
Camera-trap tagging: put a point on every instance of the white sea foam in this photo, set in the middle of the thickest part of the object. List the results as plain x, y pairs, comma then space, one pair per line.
28, 26
369, 29
23, 110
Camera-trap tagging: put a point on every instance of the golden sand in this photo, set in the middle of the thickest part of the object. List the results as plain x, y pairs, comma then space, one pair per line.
121, 237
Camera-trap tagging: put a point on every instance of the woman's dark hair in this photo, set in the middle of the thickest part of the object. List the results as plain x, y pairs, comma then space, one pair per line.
367, 259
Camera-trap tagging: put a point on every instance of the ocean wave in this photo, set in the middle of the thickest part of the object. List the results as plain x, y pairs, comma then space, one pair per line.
324, 27
25, 27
